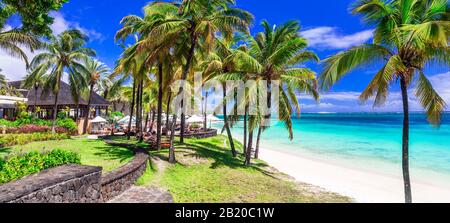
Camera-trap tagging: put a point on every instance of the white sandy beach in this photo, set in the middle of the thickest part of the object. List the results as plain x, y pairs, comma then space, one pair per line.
361, 185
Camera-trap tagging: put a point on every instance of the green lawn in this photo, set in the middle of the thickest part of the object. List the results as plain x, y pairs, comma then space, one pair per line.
92, 152
207, 172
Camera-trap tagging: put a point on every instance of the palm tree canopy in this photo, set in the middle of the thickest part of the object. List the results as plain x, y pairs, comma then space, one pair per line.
409, 35
64, 54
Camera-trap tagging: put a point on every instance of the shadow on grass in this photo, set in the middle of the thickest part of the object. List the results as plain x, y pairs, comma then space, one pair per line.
5, 152
111, 152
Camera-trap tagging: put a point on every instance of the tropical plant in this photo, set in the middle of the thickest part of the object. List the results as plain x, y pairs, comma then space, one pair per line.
34, 80
196, 23
11, 42
63, 53
93, 71
33, 14
409, 35
276, 54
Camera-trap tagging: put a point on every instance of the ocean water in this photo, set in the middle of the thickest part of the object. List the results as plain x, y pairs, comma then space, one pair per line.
364, 140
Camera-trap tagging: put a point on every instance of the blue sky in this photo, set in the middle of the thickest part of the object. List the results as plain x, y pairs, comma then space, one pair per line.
328, 26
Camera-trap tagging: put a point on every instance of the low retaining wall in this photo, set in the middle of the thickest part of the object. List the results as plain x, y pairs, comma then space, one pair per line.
201, 135
74, 184
64, 184
119, 180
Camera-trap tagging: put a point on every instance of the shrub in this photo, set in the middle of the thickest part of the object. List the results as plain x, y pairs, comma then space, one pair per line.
22, 139
21, 165
67, 123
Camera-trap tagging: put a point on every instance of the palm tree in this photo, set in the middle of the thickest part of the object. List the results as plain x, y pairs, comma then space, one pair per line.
199, 21
409, 35
63, 54
278, 54
11, 42
34, 80
93, 71
3, 81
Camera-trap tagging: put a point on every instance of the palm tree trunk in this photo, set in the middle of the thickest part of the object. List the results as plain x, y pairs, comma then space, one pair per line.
86, 118
132, 109
172, 158
183, 78
153, 121
405, 142
55, 112
248, 152
160, 108
227, 125
169, 99
35, 100
146, 121
245, 130
258, 140
139, 120
205, 121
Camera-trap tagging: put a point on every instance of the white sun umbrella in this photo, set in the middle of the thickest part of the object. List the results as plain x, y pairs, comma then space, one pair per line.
126, 120
99, 119
194, 119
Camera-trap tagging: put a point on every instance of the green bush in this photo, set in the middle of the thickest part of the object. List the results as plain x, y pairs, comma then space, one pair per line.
18, 166
67, 123
22, 139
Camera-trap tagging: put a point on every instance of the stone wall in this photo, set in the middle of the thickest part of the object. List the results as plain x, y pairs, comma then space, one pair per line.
64, 184
202, 135
119, 180
74, 184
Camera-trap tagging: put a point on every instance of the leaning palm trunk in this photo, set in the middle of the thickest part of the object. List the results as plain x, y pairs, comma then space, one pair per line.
167, 113
248, 152
183, 78
205, 118
146, 122
160, 108
227, 125
153, 122
139, 121
86, 118
35, 101
132, 109
405, 141
245, 130
258, 141
55, 113
172, 158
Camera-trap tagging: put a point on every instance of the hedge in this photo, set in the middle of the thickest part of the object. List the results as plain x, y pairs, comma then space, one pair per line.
18, 166
22, 139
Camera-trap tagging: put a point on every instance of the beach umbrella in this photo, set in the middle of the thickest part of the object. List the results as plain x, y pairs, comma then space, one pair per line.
194, 119
99, 119
126, 120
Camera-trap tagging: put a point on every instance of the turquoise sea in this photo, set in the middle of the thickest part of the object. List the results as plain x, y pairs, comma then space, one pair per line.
364, 140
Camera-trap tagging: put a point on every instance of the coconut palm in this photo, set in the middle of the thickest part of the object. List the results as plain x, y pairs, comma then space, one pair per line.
34, 80
3, 81
93, 71
63, 53
409, 35
278, 52
11, 42
199, 21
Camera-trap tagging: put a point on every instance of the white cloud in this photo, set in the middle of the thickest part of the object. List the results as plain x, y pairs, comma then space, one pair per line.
60, 25
15, 69
330, 38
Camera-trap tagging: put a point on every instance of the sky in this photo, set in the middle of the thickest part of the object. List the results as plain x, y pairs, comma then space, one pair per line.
328, 26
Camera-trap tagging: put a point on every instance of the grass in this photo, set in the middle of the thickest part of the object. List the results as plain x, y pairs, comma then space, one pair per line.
92, 152
207, 172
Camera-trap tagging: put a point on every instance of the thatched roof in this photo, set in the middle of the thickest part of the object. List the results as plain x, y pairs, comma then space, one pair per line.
64, 96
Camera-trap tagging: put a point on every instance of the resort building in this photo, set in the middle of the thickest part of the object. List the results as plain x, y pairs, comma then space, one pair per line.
99, 106
8, 106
